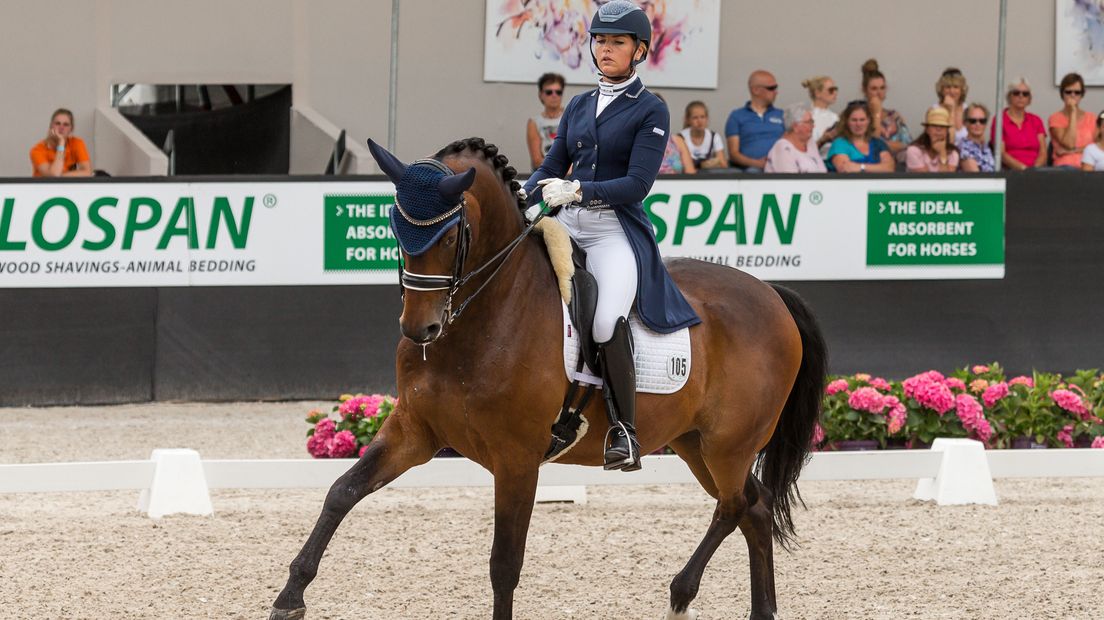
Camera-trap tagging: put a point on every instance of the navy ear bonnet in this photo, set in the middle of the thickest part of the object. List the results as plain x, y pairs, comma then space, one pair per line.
417, 197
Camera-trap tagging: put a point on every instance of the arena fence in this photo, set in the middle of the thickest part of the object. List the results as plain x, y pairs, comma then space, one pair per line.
954, 471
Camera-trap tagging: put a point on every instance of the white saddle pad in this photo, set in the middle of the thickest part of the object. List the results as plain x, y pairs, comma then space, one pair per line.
662, 360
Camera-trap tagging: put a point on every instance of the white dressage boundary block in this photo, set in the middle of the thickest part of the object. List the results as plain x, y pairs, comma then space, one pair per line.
963, 476
178, 485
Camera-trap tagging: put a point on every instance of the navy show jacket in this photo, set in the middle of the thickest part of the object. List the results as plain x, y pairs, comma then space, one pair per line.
632, 134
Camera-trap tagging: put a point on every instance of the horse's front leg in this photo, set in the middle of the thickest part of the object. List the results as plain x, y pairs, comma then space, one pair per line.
393, 451
515, 491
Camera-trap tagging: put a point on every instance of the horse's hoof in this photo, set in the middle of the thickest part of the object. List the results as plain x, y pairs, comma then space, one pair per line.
287, 614
689, 614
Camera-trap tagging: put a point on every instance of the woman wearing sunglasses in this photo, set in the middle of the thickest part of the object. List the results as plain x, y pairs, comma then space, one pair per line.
1093, 156
1024, 143
974, 149
541, 129
823, 93
1071, 128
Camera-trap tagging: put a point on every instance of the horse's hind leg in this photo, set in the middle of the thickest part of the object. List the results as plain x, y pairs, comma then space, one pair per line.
757, 526
391, 453
731, 506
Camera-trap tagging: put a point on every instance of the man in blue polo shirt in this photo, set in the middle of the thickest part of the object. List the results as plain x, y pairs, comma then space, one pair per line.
753, 129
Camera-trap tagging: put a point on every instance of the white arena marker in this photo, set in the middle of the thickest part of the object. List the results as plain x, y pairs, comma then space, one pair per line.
573, 494
963, 477
178, 486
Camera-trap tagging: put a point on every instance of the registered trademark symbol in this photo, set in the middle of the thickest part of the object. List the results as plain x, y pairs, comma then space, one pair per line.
269, 200
816, 197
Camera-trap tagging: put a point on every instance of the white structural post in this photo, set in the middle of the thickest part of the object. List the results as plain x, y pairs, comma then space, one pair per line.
963, 476
178, 486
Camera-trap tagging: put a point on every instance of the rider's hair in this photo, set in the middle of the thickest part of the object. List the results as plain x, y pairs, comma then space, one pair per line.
490, 152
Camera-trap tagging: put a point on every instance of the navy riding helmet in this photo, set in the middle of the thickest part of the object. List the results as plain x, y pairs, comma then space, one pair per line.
622, 17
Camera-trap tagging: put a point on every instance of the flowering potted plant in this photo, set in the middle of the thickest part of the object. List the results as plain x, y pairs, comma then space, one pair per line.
358, 420
859, 414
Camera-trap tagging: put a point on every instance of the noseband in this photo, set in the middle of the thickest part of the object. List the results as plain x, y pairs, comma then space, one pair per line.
453, 283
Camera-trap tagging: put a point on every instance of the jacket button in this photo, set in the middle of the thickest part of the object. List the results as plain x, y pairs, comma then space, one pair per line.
593, 166
579, 144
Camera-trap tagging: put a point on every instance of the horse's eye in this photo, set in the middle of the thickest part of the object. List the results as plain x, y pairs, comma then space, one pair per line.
450, 240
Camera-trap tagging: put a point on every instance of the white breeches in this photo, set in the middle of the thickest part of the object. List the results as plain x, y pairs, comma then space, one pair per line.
610, 258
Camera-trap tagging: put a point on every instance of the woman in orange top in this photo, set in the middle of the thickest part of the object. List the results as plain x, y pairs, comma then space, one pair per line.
61, 154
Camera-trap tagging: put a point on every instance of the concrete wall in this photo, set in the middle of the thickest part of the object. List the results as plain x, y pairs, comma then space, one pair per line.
336, 53
124, 150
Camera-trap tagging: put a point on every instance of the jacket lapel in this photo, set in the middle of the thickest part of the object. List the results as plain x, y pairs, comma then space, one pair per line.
626, 101
590, 108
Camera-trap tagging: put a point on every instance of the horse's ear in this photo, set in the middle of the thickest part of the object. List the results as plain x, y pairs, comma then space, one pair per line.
451, 187
390, 164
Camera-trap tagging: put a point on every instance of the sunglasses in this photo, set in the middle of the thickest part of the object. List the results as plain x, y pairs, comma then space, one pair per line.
772, 87
976, 121
552, 91
1020, 93
1070, 91
833, 89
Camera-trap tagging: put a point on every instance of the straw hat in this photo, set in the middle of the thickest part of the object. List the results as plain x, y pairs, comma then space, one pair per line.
938, 116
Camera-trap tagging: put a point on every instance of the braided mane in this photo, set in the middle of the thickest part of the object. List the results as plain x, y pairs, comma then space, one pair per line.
490, 153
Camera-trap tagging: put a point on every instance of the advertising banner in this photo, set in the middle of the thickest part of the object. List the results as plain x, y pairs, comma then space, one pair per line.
253, 233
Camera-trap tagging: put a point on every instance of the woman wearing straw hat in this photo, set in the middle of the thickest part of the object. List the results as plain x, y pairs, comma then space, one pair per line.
934, 150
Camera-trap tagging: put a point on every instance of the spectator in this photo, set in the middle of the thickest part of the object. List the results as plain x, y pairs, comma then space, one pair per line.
974, 151
796, 151
823, 92
889, 124
951, 89
1093, 157
1071, 128
61, 154
858, 148
934, 150
676, 157
705, 145
541, 129
1024, 140
753, 129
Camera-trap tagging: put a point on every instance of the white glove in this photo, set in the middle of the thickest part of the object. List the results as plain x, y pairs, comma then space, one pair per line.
524, 197
558, 192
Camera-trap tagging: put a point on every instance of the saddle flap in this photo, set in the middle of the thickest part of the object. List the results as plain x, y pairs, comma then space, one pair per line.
584, 303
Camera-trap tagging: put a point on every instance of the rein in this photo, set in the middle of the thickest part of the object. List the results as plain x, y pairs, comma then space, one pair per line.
453, 283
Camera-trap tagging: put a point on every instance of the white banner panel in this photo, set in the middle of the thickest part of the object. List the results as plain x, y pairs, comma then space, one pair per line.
253, 233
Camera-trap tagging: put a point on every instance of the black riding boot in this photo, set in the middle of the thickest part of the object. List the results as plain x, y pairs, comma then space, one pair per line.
619, 376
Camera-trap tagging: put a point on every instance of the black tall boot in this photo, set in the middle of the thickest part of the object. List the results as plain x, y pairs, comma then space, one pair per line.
619, 376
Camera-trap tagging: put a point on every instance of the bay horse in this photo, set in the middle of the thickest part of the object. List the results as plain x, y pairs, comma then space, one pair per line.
489, 384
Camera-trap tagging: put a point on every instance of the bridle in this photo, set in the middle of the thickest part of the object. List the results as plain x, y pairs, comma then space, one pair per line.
453, 283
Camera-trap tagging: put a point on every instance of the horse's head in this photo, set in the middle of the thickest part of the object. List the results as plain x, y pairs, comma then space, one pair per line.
439, 207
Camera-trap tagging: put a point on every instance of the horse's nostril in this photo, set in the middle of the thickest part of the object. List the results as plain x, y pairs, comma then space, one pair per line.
433, 331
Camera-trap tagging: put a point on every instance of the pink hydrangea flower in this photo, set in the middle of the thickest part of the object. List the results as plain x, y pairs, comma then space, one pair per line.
895, 414
360, 406
342, 445
363, 449
979, 369
984, 430
862, 376
935, 395
325, 427
835, 387
969, 411
1098, 443
818, 434
956, 384
977, 386
994, 393
1022, 380
1066, 435
880, 384
1071, 402
914, 382
318, 446
867, 399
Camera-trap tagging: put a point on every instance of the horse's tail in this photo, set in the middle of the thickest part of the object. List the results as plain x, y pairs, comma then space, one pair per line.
788, 450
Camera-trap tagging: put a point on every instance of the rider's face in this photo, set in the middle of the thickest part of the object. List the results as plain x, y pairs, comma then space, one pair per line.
615, 52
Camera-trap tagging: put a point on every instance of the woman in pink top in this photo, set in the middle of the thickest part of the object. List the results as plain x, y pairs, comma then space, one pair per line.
796, 150
1024, 140
1071, 128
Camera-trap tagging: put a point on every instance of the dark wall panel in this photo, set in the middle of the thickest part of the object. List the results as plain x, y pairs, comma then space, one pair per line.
76, 346
221, 343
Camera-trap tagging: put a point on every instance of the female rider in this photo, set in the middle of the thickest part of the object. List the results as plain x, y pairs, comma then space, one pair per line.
613, 139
